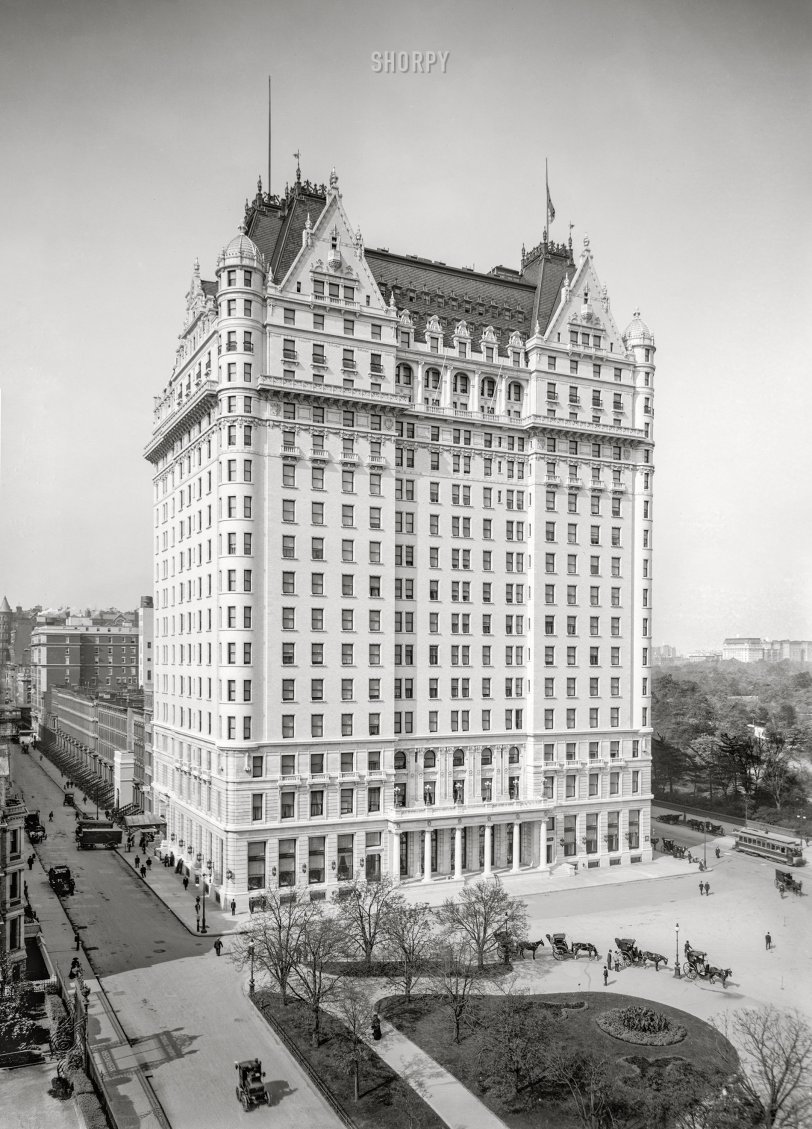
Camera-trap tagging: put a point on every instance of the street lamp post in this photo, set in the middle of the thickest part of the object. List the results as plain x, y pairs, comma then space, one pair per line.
507, 941
203, 928
251, 955
676, 958
704, 844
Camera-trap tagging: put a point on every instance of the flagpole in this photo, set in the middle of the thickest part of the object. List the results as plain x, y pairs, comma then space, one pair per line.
547, 200
269, 135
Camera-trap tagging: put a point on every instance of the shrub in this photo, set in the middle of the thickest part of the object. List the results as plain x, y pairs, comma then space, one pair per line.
641, 1025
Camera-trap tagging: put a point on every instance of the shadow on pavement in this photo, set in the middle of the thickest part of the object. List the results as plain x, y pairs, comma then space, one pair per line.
277, 1091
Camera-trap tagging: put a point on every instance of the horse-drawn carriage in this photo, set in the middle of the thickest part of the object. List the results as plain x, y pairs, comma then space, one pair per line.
672, 847
697, 966
630, 954
669, 817
561, 950
511, 947
784, 880
705, 825
250, 1087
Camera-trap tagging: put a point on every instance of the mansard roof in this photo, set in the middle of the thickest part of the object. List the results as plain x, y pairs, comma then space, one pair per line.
508, 299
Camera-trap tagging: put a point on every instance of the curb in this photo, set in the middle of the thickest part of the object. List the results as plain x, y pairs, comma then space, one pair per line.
156, 894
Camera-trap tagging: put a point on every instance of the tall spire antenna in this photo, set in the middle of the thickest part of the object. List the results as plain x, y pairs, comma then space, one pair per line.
269, 134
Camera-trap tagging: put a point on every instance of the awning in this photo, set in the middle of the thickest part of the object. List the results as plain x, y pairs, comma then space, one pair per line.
143, 820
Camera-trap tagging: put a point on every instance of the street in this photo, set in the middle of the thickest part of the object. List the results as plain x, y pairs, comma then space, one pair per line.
186, 1013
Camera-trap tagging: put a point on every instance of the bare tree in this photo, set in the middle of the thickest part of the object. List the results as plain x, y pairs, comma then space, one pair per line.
482, 909
775, 1048
319, 944
589, 1081
16, 1025
456, 980
353, 1009
512, 1042
276, 933
409, 940
364, 908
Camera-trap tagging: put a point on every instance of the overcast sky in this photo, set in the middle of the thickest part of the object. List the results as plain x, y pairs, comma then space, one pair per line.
678, 139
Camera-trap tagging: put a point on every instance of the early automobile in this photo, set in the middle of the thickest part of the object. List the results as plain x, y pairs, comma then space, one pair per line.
250, 1087
61, 880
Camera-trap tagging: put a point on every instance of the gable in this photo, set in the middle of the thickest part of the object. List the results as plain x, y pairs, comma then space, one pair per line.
583, 304
329, 246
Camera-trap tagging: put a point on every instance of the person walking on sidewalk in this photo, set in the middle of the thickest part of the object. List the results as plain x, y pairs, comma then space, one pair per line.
707, 889
233, 908
197, 904
701, 887
218, 946
31, 860
143, 872
50, 817
137, 861
609, 960
605, 976
186, 881
768, 941
149, 863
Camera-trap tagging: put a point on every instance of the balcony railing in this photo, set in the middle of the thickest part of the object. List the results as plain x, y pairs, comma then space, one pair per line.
447, 809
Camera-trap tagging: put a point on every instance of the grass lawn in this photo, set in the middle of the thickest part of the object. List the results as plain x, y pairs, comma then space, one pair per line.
430, 1026
384, 1098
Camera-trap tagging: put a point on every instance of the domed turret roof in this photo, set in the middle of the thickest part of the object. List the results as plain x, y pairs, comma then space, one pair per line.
243, 248
637, 328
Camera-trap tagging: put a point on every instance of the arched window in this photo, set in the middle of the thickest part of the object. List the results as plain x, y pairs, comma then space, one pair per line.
513, 755
400, 761
459, 758
487, 387
431, 380
515, 391
403, 375
460, 383
429, 759
487, 756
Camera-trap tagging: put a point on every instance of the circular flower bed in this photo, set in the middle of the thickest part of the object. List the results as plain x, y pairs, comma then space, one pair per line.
641, 1025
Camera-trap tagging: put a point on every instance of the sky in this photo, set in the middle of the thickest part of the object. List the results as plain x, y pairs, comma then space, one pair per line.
677, 137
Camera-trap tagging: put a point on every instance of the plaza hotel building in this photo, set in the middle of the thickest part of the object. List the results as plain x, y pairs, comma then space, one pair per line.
403, 563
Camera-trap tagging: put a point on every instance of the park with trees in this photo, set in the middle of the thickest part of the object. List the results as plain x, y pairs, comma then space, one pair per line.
442, 976
735, 738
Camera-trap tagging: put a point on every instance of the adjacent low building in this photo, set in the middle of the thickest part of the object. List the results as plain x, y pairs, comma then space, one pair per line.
12, 846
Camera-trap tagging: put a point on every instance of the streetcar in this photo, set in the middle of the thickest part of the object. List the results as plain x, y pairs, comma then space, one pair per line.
769, 845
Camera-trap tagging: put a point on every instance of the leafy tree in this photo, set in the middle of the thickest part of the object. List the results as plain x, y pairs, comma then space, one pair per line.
482, 910
775, 1049
319, 943
16, 1024
364, 909
276, 932
409, 939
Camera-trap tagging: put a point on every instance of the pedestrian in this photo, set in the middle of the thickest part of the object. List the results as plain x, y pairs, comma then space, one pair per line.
25, 890
149, 864
707, 889
718, 853
197, 923
186, 881
143, 872
31, 861
701, 887
609, 960
233, 908
50, 817
605, 976
218, 945
137, 861
76, 940
197, 904
768, 941
690, 857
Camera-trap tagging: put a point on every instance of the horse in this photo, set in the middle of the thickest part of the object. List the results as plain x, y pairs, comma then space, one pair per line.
656, 959
583, 947
528, 946
722, 974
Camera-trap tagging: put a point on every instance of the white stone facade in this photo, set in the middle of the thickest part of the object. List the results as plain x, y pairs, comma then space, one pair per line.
403, 582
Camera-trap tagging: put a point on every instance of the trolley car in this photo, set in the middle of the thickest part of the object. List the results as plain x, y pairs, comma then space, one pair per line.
769, 845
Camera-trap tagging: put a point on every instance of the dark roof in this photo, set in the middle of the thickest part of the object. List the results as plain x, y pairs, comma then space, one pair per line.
209, 288
509, 300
